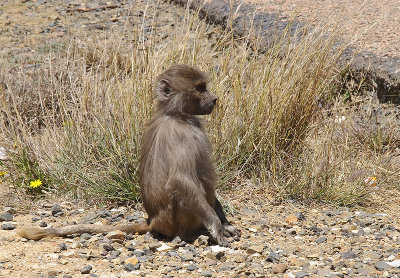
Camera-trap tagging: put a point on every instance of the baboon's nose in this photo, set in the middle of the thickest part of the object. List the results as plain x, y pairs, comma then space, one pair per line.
215, 100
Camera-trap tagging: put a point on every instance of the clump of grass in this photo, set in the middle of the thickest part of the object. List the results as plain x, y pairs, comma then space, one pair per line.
79, 117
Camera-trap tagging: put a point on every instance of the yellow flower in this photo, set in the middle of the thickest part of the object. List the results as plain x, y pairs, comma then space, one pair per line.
3, 173
35, 183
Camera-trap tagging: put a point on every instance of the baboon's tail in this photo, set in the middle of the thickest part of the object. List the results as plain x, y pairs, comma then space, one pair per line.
36, 234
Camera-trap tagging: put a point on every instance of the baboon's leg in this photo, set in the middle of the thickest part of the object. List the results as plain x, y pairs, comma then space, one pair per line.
193, 211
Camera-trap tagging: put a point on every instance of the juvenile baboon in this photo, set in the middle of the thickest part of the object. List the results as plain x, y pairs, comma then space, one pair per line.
176, 176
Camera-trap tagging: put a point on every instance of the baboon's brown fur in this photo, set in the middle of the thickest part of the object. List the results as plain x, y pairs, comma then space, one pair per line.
177, 177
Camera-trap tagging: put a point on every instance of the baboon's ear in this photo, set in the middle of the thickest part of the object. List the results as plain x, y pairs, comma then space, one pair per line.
163, 89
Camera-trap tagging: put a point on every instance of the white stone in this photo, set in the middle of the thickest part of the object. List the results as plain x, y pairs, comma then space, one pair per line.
395, 263
217, 248
164, 247
391, 258
3, 154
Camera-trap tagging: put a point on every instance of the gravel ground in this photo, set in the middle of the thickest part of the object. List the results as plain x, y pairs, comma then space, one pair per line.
277, 241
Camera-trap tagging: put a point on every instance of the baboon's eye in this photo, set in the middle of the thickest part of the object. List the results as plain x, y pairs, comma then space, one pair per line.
201, 88
167, 90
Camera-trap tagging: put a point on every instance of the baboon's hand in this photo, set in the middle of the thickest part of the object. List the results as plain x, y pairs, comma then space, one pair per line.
229, 230
221, 240
218, 236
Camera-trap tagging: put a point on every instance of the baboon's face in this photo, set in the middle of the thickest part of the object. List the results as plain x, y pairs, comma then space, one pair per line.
199, 101
183, 89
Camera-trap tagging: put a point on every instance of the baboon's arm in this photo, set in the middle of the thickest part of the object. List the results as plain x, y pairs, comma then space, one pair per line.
36, 234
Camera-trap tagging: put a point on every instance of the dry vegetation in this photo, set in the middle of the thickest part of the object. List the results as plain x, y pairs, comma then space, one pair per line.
76, 121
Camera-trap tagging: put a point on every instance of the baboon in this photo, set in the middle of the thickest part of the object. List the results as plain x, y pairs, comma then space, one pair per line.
176, 173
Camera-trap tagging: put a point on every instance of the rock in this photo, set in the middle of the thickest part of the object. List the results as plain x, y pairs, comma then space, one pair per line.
348, 255
279, 268
86, 269
324, 272
366, 270
116, 235
187, 257
86, 236
211, 262
291, 219
43, 224
300, 216
108, 247
131, 267
176, 240
164, 247
217, 248
154, 245
132, 260
321, 239
56, 210
138, 253
3, 154
62, 246
301, 274
35, 219
395, 263
372, 254
273, 257
10, 210
52, 272
202, 240
227, 266
6, 217
255, 249
206, 273
382, 266
8, 226
192, 267
69, 254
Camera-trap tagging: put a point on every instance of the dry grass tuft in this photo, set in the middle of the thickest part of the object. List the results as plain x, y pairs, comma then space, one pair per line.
75, 123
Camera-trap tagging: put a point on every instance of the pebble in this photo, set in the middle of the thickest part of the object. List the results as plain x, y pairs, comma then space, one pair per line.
132, 260
57, 210
187, 257
227, 266
62, 246
116, 235
108, 247
321, 240
192, 267
6, 217
301, 274
273, 257
42, 224
366, 270
348, 255
255, 249
202, 240
395, 263
279, 268
206, 273
86, 269
131, 267
154, 245
382, 266
8, 226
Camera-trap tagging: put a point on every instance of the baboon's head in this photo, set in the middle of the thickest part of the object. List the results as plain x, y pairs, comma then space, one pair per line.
183, 89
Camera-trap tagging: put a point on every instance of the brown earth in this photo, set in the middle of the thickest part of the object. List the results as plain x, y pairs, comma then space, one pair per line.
373, 24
